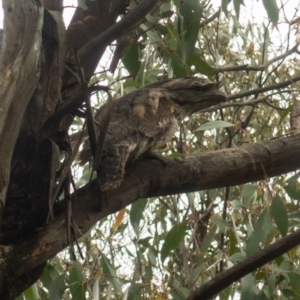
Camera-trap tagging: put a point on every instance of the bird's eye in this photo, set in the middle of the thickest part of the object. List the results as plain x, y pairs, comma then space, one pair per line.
205, 87
200, 88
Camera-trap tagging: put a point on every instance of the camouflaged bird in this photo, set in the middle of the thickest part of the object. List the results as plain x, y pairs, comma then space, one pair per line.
147, 119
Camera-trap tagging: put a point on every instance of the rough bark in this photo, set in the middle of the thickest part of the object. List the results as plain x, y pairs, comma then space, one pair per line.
149, 178
19, 60
22, 198
32, 64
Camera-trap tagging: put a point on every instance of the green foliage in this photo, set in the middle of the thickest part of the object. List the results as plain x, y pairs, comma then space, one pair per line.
77, 281
134, 292
214, 125
292, 187
136, 214
279, 213
272, 10
57, 288
260, 234
110, 273
32, 292
130, 59
173, 238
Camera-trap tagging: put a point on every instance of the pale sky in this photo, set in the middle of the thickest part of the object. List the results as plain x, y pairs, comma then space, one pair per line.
251, 6
68, 12
253, 11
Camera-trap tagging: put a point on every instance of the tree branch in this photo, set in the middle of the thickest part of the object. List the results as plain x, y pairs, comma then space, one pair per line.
132, 19
276, 86
210, 19
248, 68
250, 102
250, 264
148, 178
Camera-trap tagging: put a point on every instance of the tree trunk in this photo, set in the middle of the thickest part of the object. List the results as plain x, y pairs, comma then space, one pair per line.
34, 54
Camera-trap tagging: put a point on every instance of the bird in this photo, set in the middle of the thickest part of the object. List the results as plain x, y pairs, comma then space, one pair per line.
146, 120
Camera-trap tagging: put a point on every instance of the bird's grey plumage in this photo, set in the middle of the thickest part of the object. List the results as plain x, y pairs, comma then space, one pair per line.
146, 119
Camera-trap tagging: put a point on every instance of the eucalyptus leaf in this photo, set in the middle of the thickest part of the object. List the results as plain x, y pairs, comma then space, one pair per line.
57, 288
136, 214
214, 125
173, 238
293, 188
110, 274
200, 65
131, 60
134, 291
248, 193
272, 10
279, 213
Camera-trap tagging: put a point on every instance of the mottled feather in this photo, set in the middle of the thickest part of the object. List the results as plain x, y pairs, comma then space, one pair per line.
147, 119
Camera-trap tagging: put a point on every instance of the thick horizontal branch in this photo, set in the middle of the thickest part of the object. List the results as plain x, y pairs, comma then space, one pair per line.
149, 178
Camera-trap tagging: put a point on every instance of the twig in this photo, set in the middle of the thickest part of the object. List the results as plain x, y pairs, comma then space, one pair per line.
65, 171
224, 216
248, 68
210, 19
250, 102
89, 113
250, 264
130, 20
276, 86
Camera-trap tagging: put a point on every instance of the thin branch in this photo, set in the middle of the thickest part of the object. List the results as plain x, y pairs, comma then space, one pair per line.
68, 106
89, 112
263, 54
274, 106
253, 102
210, 19
248, 68
224, 216
250, 264
130, 20
297, 20
276, 86
60, 180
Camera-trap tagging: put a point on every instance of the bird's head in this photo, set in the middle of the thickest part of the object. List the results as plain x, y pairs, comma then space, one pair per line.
193, 94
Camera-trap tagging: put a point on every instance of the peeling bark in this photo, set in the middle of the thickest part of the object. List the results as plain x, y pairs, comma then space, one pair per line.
19, 60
